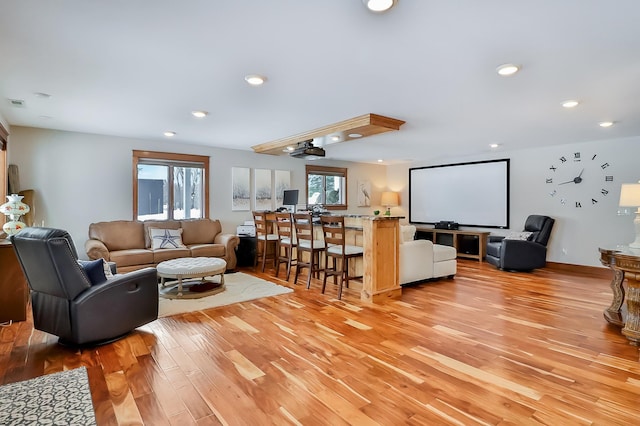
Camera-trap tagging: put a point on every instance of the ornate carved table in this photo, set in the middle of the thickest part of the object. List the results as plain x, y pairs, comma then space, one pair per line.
625, 263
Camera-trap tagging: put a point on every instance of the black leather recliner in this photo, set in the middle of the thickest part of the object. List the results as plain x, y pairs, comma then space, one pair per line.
522, 255
65, 303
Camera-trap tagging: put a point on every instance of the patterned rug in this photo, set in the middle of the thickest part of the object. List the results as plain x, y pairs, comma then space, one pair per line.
55, 399
239, 287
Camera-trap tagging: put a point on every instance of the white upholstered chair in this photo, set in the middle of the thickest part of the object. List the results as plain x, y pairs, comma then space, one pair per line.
422, 259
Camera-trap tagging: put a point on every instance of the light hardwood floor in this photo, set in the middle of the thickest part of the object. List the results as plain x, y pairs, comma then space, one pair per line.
486, 348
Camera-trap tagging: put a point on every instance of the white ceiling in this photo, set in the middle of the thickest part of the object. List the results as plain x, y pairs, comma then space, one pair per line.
138, 68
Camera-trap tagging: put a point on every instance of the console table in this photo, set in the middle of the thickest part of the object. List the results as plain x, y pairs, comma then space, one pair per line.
14, 290
456, 239
625, 263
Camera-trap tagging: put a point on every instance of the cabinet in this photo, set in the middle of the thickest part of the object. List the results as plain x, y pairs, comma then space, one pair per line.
14, 291
468, 244
246, 251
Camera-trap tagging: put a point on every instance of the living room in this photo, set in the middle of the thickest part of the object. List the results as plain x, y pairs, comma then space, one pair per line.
487, 347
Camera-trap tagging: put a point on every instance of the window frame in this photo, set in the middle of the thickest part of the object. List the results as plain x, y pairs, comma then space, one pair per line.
340, 172
169, 158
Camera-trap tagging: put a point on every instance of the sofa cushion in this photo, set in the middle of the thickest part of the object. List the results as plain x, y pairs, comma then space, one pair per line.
208, 250
119, 234
200, 231
442, 253
157, 224
131, 257
165, 238
168, 254
94, 269
407, 233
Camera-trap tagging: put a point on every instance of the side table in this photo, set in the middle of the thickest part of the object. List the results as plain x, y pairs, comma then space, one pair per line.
14, 290
246, 252
626, 264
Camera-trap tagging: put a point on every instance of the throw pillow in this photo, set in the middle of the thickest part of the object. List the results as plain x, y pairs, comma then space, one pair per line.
524, 236
166, 238
94, 269
107, 269
407, 233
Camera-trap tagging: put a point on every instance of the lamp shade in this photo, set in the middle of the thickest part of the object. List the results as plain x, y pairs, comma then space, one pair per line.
630, 195
389, 199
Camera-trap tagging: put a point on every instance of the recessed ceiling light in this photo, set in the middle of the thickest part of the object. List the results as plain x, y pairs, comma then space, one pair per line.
494, 145
335, 138
379, 5
355, 135
255, 79
570, 104
380, 160
169, 134
199, 114
508, 69
605, 124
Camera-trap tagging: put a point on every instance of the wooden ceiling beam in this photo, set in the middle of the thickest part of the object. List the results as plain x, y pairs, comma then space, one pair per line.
365, 125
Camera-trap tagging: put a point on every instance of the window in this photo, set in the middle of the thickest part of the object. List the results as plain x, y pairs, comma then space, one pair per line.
162, 179
327, 186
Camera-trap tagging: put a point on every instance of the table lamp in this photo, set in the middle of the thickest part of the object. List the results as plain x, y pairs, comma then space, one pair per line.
14, 208
630, 197
389, 199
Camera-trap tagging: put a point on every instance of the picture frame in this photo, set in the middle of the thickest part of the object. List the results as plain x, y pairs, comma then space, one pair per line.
262, 189
241, 189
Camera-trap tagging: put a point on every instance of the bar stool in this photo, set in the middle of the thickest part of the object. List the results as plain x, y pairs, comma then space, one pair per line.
307, 244
286, 241
334, 238
267, 241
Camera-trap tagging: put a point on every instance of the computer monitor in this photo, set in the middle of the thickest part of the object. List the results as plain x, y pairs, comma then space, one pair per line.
290, 198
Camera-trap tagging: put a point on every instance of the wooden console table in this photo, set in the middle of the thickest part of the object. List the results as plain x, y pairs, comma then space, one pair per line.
14, 291
625, 263
456, 237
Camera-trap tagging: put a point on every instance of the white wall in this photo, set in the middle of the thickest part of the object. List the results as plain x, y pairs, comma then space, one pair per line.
83, 178
577, 233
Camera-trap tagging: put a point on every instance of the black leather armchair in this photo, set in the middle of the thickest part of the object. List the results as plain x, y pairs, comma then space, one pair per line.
522, 255
65, 303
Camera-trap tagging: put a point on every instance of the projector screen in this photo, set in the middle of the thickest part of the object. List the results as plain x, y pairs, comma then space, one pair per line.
471, 194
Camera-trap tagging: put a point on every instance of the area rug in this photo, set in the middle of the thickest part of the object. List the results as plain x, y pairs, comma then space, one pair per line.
239, 288
55, 399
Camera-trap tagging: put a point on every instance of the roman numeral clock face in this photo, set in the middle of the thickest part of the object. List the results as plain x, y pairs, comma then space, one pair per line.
579, 180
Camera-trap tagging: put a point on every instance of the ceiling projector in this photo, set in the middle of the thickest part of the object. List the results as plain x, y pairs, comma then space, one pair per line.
307, 150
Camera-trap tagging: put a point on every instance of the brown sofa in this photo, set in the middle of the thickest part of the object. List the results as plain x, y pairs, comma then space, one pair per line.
127, 242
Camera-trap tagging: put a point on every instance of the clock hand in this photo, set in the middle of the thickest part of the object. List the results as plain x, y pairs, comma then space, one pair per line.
576, 179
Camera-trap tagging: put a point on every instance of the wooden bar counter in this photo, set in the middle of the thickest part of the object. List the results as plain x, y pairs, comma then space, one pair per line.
381, 276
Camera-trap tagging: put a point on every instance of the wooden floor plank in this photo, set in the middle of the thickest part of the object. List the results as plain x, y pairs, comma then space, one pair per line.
488, 348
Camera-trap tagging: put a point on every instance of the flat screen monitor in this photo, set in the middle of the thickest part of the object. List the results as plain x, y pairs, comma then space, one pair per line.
290, 197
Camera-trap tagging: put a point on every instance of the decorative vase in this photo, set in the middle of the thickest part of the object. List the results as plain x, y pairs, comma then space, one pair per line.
14, 208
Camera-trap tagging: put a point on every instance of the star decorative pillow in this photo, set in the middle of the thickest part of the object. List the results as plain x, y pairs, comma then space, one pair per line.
166, 238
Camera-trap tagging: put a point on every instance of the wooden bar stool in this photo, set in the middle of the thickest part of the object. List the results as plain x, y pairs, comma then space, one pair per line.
337, 250
267, 241
286, 242
309, 245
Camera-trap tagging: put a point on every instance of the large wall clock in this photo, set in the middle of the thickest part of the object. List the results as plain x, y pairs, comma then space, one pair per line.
579, 180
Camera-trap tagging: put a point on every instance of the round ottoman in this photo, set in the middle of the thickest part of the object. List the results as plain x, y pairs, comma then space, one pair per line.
188, 268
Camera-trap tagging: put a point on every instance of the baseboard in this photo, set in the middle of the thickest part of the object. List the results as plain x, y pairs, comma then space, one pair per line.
592, 271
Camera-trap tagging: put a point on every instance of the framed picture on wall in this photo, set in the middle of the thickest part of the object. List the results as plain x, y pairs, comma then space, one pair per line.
262, 185
240, 179
282, 182
364, 193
